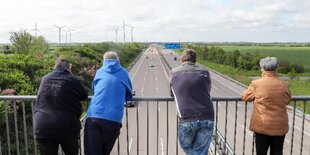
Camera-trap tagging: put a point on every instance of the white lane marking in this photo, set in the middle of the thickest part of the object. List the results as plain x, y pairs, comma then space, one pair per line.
157, 89
305, 132
213, 87
130, 144
162, 146
134, 75
163, 66
156, 78
159, 108
226, 85
142, 89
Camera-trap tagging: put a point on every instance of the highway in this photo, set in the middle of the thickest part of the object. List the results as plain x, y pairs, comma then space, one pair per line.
223, 87
150, 79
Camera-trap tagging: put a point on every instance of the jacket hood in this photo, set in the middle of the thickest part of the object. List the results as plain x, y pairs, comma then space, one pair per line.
111, 65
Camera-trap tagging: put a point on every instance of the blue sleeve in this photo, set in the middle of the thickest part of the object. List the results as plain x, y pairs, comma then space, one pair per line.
128, 89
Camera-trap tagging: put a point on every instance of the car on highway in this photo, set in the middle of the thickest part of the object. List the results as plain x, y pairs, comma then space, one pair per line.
152, 64
131, 103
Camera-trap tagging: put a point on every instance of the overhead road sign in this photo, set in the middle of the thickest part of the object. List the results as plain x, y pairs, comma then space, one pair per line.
172, 45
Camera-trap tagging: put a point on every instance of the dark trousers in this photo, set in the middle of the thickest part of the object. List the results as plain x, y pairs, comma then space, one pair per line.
100, 136
70, 146
263, 142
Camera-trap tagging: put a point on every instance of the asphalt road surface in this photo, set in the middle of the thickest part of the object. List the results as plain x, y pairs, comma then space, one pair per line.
147, 124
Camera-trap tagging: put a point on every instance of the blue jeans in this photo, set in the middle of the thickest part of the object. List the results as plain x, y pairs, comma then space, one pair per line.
195, 137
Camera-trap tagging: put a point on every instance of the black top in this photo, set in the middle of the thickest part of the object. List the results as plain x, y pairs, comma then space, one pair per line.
58, 108
191, 86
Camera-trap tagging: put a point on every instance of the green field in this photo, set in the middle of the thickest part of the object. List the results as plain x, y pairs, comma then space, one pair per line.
297, 54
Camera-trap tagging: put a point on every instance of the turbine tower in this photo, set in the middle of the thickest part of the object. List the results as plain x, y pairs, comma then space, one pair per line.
131, 29
59, 32
70, 30
124, 25
35, 30
116, 29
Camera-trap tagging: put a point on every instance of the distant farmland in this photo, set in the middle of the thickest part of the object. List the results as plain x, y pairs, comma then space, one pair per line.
297, 54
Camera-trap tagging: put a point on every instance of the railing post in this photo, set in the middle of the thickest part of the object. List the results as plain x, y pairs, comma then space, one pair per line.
127, 132
244, 128
293, 129
235, 128
16, 129
137, 117
303, 127
34, 140
7, 128
157, 127
25, 128
147, 141
216, 123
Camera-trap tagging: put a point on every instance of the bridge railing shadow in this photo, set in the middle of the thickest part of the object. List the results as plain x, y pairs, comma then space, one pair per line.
150, 127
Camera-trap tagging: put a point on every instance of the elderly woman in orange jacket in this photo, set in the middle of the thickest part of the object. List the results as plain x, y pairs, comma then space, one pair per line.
270, 96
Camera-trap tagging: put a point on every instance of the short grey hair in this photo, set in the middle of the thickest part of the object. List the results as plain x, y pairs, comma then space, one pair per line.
269, 63
62, 63
189, 55
110, 55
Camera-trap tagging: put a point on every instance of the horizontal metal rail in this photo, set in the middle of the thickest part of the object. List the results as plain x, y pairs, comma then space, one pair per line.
151, 126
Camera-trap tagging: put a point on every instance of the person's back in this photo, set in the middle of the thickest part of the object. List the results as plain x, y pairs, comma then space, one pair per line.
270, 96
57, 109
191, 85
112, 88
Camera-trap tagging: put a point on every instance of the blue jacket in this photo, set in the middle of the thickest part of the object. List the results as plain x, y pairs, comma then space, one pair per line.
112, 88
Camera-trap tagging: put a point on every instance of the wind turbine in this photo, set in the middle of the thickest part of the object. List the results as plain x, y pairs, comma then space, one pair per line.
131, 29
70, 30
66, 37
35, 30
124, 25
116, 29
59, 32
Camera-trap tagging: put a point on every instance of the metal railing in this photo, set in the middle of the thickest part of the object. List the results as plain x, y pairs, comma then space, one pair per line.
151, 127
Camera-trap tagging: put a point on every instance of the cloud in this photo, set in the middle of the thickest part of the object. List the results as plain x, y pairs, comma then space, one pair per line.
159, 20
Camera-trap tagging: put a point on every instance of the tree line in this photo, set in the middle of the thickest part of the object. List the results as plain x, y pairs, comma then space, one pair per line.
27, 59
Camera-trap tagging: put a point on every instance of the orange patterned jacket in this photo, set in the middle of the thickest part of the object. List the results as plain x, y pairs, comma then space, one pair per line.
270, 96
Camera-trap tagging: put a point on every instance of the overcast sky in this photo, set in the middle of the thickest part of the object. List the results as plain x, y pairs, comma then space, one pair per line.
160, 20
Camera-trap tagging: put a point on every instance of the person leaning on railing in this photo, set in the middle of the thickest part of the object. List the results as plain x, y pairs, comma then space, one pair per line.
58, 109
191, 85
270, 96
112, 88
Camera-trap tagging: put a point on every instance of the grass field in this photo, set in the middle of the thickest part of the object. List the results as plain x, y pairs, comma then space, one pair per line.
297, 54
297, 87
